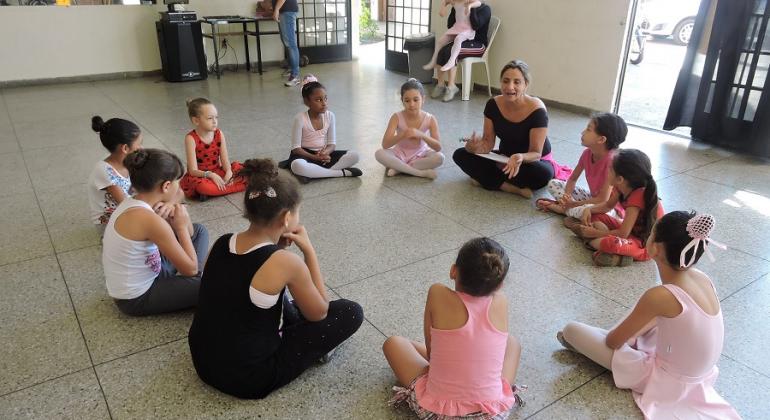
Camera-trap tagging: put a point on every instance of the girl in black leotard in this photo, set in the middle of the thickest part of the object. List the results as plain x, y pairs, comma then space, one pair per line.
247, 339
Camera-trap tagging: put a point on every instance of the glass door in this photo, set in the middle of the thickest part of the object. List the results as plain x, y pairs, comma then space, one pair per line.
323, 30
403, 18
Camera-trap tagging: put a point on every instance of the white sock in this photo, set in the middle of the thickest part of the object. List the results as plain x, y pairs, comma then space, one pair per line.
304, 168
589, 341
347, 160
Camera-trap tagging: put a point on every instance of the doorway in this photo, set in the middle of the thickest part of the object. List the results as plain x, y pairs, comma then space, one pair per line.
656, 46
324, 30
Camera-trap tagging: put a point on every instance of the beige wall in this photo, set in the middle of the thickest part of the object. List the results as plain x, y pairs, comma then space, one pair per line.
51, 42
573, 47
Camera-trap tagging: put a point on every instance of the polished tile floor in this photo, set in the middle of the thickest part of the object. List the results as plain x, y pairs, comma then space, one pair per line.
66, 352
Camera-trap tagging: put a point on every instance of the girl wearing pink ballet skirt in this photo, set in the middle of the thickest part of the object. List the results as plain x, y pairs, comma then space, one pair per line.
459, 32
667, 348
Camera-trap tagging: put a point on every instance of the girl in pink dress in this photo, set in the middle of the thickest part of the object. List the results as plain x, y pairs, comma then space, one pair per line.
411, 142
459, 32
667, 348
469, 361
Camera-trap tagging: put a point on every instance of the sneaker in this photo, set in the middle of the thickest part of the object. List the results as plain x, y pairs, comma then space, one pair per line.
603, 259
450, 93
438, 91
351, 172
292, 81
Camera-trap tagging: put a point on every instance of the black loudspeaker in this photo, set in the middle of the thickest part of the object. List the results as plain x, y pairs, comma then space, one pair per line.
181, 51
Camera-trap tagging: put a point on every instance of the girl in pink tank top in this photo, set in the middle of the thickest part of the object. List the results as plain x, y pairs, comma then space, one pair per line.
665, 351
469, 361
411, 142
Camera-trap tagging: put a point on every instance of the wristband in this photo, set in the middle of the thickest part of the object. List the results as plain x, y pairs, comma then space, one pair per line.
206, 174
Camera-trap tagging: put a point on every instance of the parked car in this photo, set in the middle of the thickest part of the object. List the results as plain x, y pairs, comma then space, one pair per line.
670, 18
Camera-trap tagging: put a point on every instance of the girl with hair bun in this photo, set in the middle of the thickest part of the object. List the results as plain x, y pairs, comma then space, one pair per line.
667, 348
467, 366
109, 183
314, 151
247, 338
152, 265
411, 142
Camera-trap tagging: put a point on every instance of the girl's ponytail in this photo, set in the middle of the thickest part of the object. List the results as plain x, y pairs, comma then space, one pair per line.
651, 203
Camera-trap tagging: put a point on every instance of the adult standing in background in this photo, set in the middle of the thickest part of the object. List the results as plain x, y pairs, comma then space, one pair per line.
285, 13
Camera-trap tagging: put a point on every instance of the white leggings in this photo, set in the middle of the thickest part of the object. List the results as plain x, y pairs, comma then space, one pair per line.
556, 188
457, 45
307, 169
589, 341
418, 167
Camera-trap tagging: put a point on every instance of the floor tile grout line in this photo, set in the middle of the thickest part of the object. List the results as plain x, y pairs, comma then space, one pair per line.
759, 278
568, 394
734, 359
133, 353
45, 381
63, 277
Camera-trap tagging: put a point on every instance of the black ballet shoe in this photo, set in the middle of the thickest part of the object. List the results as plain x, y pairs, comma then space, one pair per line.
284, 164
202, 197
302, 179
351, 172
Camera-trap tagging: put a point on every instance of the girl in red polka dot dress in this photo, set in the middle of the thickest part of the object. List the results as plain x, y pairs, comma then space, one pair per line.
209, 171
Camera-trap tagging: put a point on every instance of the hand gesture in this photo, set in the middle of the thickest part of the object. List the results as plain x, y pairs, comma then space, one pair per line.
228, 176
180, 219
586, 219
299, 237
218, 181
164, 210
512, 167
474, 143
566, 201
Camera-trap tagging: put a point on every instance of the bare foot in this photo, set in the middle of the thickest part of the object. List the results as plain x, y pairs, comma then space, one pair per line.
391, 172
429, 173
475, 183
429, 66
510, 188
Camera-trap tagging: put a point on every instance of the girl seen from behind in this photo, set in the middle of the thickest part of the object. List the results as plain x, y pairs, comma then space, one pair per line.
667, 348
151, 264
468, 363
247, 338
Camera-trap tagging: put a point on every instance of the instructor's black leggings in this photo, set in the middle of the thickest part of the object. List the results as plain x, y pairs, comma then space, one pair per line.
532, 175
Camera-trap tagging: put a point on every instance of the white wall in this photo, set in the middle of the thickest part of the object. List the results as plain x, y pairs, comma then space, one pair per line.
51, 42
573, 47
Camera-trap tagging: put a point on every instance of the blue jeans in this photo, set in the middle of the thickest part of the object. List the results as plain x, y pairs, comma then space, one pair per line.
288, 26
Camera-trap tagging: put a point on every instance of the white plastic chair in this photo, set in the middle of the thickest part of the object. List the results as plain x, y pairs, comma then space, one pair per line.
467, 63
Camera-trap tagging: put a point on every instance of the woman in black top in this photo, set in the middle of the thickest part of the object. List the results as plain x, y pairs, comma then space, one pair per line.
247, 339
521, 123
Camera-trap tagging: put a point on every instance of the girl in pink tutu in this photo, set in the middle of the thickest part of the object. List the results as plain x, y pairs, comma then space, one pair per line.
667, 348
459, 32
469, 361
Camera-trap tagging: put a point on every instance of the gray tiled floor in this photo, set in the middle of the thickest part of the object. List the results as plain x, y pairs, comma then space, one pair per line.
67, 352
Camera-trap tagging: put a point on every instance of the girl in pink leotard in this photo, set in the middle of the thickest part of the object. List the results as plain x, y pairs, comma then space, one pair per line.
459, 32
667, 348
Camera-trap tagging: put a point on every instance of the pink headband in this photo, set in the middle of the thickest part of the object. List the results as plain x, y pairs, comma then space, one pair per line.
699, 228
309, 78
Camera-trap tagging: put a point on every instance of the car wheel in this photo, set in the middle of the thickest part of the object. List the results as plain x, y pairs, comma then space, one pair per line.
683, 31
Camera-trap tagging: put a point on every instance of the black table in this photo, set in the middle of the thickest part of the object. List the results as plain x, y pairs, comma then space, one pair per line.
244, 21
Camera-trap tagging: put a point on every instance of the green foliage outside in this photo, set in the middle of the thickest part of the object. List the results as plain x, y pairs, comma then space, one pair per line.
370, 31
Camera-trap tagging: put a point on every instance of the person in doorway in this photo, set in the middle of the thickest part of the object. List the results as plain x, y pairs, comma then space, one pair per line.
285, 13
